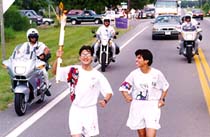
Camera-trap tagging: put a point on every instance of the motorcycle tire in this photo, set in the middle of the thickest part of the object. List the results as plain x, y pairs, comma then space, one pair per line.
189, 54
20, 104
103, 62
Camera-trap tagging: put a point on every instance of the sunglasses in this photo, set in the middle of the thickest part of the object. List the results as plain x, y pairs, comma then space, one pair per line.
33, 36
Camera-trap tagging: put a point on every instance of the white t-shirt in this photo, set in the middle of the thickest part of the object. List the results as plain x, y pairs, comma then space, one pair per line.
38, 47
90, 84
104, 31
143, 86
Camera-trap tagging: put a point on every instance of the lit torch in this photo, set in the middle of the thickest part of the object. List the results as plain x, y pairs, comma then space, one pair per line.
62, 19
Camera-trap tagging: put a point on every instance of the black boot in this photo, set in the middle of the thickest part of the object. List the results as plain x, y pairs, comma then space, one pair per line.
47, 92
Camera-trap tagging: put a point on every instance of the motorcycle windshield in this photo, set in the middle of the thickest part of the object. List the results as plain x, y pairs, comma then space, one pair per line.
189, 28
104, 40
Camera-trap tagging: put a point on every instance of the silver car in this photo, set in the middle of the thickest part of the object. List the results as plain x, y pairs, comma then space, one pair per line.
166, 26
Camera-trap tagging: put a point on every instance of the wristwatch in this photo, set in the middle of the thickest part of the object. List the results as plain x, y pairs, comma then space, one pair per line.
163, 99
105, 101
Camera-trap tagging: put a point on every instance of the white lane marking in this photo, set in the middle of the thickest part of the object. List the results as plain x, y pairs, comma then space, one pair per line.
17, 131
126, 43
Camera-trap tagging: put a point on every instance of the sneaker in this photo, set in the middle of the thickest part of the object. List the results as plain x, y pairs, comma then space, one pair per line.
47, 92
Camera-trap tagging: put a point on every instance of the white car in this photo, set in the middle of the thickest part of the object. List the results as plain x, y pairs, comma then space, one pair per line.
47, 21
111, 15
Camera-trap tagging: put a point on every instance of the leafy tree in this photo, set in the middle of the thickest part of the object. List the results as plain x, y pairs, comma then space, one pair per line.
97, 5
31, 4
206, 7
13, 19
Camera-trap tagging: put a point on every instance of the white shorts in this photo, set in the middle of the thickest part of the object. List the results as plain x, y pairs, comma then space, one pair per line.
83, 119
144, 114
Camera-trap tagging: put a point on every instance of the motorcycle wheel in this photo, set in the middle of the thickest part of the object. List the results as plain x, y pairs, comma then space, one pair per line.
103, 62
189, 54
20, 104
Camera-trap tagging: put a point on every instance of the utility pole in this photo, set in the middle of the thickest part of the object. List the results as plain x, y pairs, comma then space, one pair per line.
2, 31
129, 4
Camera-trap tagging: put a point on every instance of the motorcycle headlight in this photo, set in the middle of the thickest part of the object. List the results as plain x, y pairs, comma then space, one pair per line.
189, 36
20, 70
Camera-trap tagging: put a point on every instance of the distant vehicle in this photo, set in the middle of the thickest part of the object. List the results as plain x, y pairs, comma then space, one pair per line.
150, 12
166, 25
47, 21
147, 13
111, 15
85, 16
197, 13
166, 7
32, 16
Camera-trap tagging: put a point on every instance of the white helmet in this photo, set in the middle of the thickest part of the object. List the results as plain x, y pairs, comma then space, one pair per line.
32, 32
188, 16
106, 19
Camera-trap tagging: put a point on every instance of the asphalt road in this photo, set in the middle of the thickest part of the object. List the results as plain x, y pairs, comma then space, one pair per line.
186, 113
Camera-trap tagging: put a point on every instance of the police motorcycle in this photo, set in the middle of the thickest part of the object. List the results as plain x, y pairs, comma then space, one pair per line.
190, 37
104, 54
27, 79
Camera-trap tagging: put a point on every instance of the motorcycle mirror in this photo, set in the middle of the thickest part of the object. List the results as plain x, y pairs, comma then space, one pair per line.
200, 37
5, 63
4, 66
199, 29
115, 37
117, 33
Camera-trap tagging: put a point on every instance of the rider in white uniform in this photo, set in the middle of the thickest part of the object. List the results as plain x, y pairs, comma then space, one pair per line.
103, 31
41, 50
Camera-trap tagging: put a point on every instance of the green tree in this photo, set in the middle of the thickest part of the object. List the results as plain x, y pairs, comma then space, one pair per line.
206, 7
13, 19
31, 4
99, 5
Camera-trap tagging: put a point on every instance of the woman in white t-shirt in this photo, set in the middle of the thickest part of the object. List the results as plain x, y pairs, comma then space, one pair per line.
145, 88
85, 84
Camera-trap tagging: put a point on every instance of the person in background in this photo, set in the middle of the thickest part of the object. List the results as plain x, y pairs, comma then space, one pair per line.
189, 24
105, 30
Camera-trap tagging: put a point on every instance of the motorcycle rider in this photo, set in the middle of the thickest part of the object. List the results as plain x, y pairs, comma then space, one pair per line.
188, 23
41, 50
103, 31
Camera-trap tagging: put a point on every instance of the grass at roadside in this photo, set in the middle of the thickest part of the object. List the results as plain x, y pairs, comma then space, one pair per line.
75, 37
